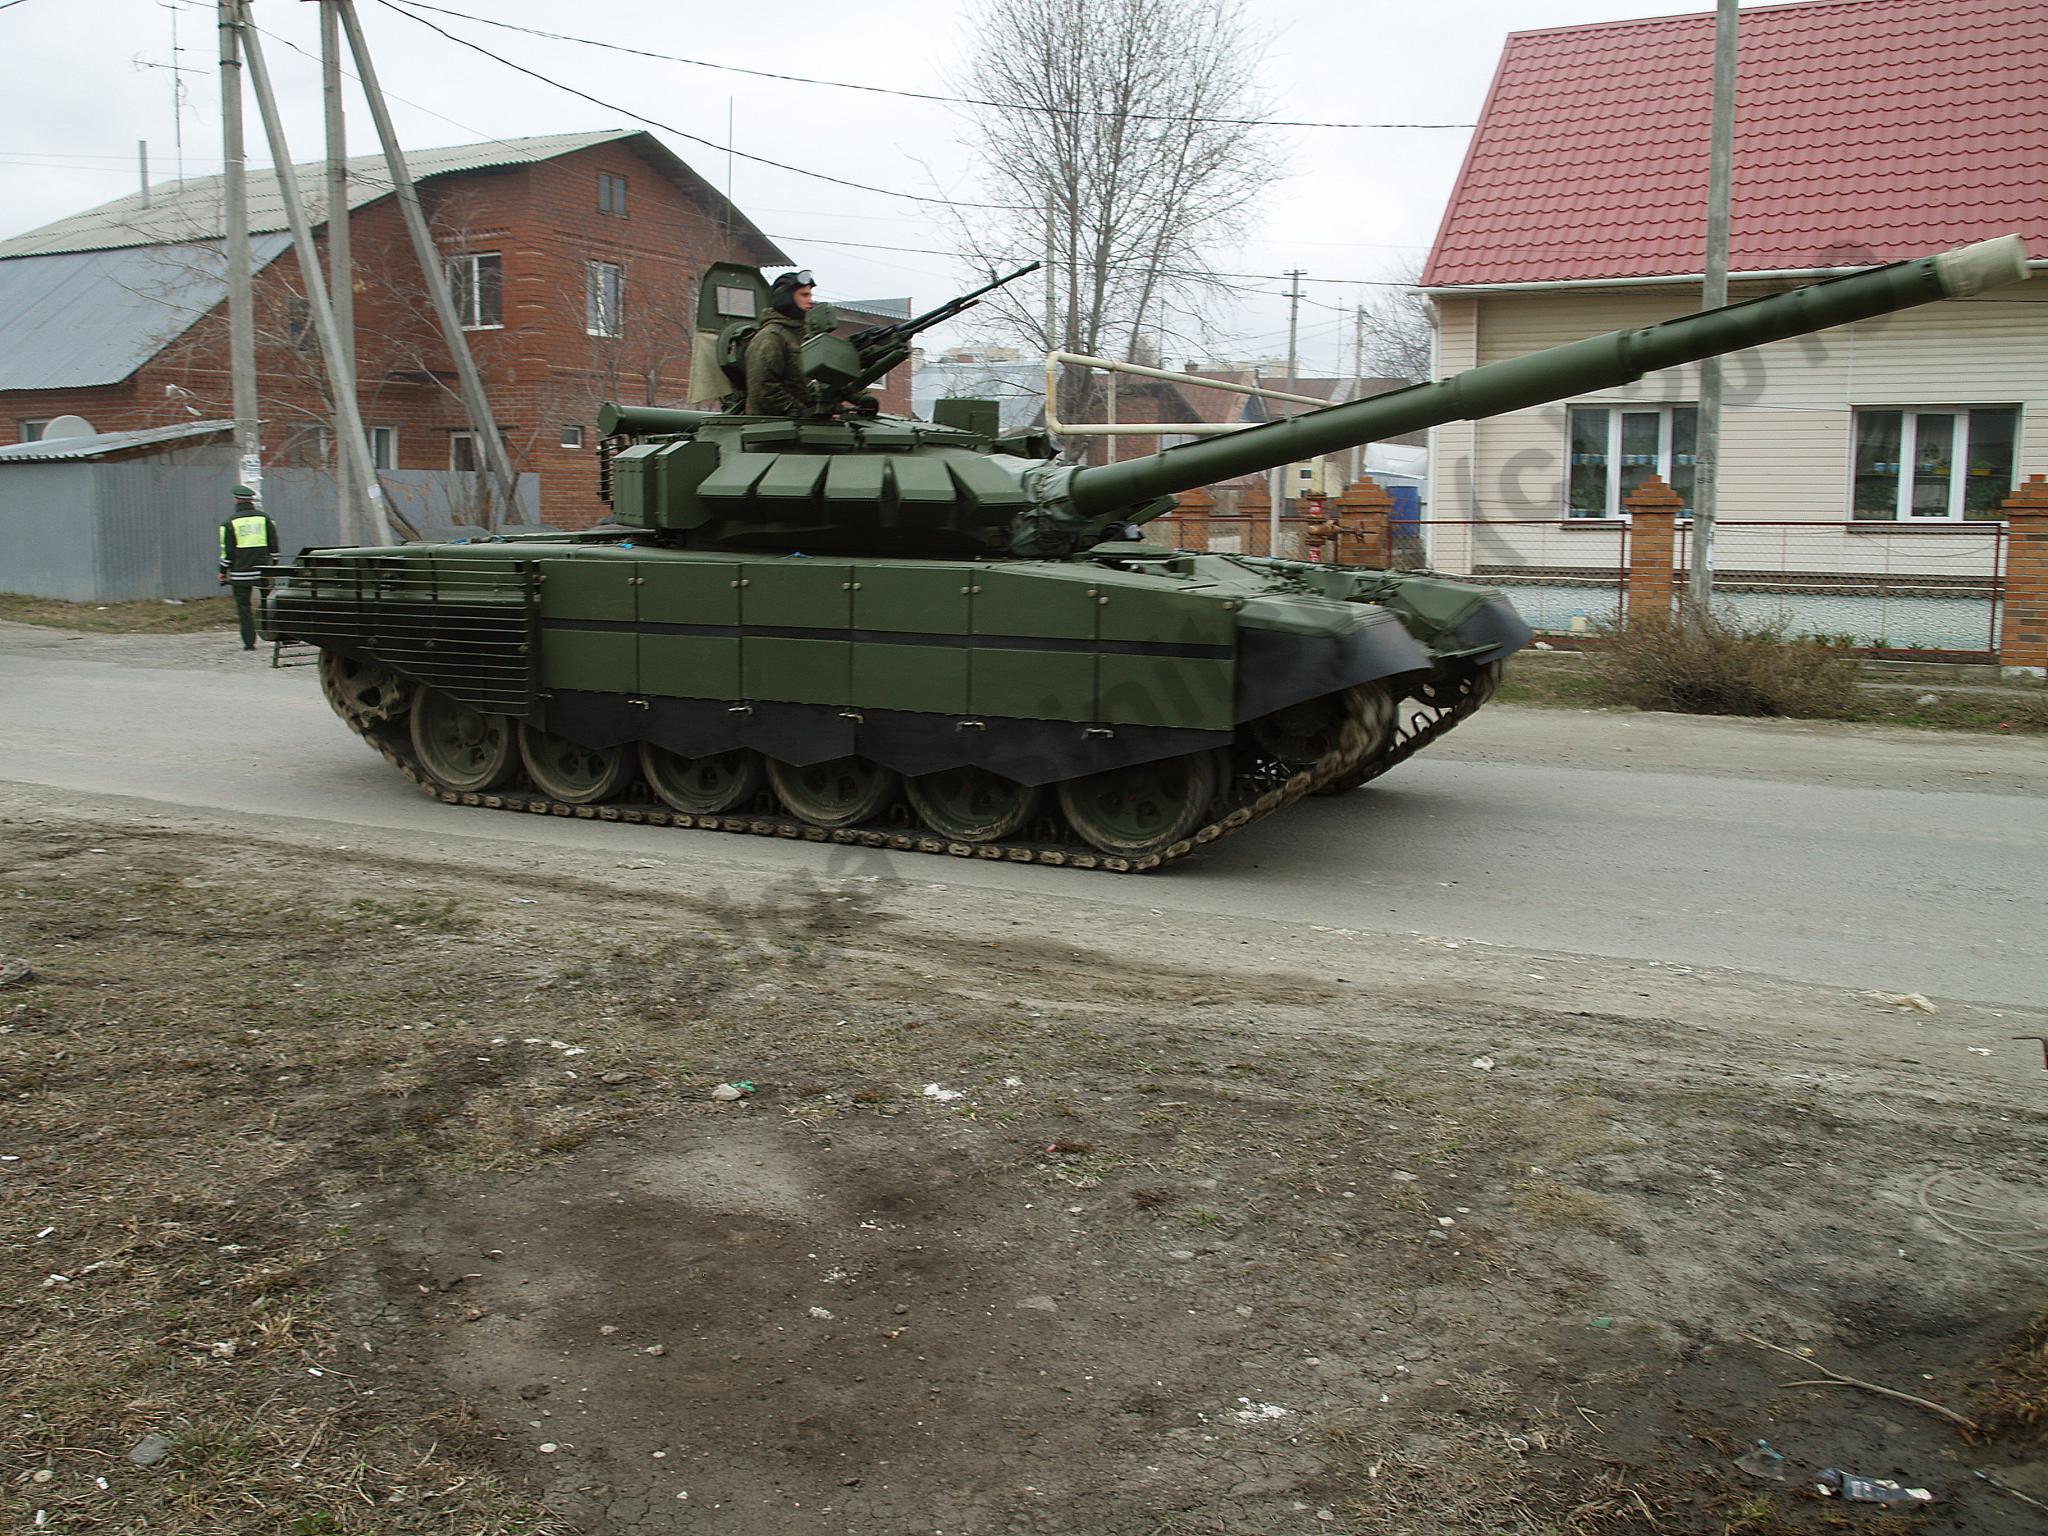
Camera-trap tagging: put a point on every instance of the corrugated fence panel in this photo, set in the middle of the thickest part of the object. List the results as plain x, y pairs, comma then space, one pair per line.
93, 532
47, 528
159, 525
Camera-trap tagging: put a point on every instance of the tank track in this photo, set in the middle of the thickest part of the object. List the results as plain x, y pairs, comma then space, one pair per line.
1420, 721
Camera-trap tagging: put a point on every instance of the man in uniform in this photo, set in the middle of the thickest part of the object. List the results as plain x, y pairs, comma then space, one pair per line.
247, 540
774, 356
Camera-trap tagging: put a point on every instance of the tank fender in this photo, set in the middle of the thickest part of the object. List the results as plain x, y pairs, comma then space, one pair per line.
1282, 661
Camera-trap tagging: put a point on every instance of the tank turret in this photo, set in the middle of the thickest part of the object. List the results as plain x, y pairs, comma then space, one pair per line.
844, 480
931, 637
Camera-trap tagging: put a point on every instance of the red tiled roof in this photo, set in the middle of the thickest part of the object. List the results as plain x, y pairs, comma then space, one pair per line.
1865, 131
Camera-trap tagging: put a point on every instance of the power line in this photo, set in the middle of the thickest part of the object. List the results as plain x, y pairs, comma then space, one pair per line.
488, 138
612, 106
1257, 277
883, 90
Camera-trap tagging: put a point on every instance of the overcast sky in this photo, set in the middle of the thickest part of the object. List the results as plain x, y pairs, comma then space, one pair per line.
82, 80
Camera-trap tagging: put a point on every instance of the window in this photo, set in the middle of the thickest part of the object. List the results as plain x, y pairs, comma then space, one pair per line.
604, 284
462, 449
384, 447
572, 437
611, 194
1614, 449
32, 431
477, 285
1943, 463
298, 323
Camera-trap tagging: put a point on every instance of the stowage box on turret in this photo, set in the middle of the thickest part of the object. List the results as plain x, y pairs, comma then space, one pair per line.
930, 637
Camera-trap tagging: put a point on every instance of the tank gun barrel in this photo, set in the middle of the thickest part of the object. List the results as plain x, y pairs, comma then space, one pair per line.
1599, 362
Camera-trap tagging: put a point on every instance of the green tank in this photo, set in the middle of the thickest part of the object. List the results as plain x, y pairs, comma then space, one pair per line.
929, 636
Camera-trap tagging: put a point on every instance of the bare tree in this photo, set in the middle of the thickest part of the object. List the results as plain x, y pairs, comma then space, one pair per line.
1120, 137
1396, 330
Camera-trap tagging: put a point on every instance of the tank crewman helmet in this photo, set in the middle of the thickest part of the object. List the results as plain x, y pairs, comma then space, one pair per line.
782, 293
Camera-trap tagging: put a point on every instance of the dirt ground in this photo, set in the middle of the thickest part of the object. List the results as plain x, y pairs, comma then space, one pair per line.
351, 1188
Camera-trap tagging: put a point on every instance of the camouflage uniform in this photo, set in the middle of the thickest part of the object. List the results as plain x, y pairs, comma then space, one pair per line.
775, 371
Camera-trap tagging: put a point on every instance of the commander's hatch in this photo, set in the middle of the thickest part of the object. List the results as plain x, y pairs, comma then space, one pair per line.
731, 299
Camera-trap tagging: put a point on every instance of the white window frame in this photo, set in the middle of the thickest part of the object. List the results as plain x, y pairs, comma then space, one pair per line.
33, 427
572, 435
611, 195
471, 314
596, 322
1909, 442
1615, 411
476, 463
388, 436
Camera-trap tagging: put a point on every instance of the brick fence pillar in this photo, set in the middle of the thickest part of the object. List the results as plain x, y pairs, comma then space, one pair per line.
2023, 622
1253, 510
1365, 513
1652, 582
1191, 518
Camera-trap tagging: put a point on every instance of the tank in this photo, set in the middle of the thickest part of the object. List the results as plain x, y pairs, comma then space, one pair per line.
931, 636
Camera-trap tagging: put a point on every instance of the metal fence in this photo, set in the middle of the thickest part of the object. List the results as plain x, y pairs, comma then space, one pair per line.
103, 532
1883, 586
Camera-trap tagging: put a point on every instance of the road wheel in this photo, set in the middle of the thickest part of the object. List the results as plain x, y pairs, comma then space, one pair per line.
462, 749
703, 786
843, 792
972, 805
1145, 808
567, 770
361, 692
1302, 735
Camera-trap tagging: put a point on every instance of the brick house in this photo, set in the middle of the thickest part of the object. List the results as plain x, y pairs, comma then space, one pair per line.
573, 259
1865, 131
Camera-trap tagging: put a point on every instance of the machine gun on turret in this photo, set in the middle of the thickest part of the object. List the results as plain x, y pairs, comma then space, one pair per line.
730, 302
836, 376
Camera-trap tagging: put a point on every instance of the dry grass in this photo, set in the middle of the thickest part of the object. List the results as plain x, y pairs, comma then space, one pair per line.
153, 617
1589, 680
1700, 663
2017, 1405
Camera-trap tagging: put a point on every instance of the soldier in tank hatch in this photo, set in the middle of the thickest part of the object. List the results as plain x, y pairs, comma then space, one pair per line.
775, 369
247, 541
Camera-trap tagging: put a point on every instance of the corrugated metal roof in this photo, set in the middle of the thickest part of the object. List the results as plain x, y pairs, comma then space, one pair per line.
94, 317
198, 210
1865, 131
100, 444
880, 309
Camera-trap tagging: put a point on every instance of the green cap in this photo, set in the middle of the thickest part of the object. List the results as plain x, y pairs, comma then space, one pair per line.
243, 493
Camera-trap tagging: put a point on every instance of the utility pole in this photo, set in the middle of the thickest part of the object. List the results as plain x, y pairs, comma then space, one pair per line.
1274, 486
1357, 383
352, 440
340, 263
1707, 445
1052, 311
241, 290
496, 461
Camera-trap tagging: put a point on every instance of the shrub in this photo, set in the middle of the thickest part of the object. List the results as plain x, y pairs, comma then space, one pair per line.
1703, 663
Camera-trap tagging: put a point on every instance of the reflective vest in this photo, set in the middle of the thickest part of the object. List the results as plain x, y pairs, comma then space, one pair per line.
245, 541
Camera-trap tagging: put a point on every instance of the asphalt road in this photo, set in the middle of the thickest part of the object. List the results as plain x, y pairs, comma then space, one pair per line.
1903, 861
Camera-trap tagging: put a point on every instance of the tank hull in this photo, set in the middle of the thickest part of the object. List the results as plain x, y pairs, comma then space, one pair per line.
1041, 674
